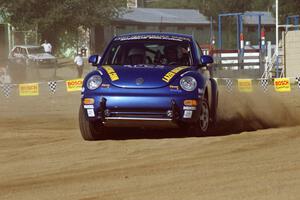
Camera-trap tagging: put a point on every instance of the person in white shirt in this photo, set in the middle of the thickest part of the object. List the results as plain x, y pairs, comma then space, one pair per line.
47, 47
79, 64
4, 76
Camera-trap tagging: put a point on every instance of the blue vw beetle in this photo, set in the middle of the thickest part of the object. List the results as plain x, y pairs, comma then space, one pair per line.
156, 79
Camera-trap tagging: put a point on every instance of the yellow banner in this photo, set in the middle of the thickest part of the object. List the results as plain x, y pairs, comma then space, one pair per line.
74, 85
245, 85
29, 89
282, 84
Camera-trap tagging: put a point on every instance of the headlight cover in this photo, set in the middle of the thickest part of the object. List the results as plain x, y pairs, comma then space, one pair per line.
94, 82
188, 83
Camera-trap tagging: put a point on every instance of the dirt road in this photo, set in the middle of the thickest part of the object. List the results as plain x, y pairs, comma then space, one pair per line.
42, 155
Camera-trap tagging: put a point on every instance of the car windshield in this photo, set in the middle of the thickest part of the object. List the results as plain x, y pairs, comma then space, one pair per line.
36, 50
147, 52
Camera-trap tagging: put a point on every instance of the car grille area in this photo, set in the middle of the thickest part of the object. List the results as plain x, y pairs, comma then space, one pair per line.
159, 114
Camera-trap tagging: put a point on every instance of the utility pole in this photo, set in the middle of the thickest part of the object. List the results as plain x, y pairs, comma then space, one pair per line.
277, 42
277, 31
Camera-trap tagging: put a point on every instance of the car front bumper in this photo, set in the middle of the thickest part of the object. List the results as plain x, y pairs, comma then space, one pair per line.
143, 110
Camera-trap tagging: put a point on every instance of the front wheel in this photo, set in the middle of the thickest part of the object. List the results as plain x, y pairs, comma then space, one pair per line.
90, 130
202, 126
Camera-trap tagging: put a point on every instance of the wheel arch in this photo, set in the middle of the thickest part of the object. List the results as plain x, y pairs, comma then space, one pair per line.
214, 98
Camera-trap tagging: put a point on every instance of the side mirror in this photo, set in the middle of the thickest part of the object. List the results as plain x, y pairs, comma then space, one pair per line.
94, 60
206, 60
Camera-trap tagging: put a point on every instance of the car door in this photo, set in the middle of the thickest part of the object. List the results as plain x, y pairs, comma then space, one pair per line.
14, 57
16, 68
23, 57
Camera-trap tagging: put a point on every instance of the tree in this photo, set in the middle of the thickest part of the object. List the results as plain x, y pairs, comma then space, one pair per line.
207, 7
215, 7
60, 18
262, 5
287, 8
171, 4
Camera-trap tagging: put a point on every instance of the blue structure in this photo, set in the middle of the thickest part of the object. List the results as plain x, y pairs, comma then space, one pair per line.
239, 20
292, 18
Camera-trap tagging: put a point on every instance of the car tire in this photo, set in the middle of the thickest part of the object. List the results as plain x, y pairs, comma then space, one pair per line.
90, 130
203, 124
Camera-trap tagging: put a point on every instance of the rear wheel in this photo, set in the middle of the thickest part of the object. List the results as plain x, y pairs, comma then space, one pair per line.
90, 130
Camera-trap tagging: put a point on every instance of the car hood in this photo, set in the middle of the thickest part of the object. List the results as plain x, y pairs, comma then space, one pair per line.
142, 76
41, 56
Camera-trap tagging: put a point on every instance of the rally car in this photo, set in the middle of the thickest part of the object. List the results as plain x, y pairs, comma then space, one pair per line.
27, 61
156, 79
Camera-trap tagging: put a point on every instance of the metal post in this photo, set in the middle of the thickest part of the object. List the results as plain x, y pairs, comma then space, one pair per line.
238, 32
211, 29
13, 36
287, 22
259, 31
277, 39
242, 41
284, 49
36, 34
277, 34
241, 24
220, 32
277, 67
296, 22
10, 37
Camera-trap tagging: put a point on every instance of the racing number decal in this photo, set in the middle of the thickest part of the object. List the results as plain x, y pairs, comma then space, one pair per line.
111, 72
172, 73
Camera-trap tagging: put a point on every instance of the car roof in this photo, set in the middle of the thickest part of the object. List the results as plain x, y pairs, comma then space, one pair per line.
27, 46
155, 35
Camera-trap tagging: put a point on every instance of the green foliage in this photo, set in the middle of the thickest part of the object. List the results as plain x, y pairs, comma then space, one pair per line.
59, 18
172, 4
262, 5
215, 7
288, 8
209, 7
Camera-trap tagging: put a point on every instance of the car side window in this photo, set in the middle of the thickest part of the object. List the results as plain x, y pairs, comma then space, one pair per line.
23, 52
15, 52
112, 59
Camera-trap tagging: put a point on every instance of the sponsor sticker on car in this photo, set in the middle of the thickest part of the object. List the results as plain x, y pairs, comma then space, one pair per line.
167, 78
111, 73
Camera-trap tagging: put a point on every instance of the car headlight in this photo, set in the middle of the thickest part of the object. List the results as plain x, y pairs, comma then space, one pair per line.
188, 83
94, 82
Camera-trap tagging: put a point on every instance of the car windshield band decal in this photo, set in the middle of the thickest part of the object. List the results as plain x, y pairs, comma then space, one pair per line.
172, 73
111, 73
158, 37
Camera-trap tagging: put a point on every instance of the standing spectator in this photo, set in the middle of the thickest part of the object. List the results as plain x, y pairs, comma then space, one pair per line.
4, 76
79, 64
47, 47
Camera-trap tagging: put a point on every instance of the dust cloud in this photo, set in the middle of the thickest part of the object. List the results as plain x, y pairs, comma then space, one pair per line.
258, 110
